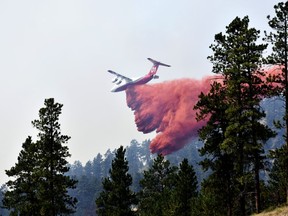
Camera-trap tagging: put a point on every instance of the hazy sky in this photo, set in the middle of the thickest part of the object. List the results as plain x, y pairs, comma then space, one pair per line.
63, 49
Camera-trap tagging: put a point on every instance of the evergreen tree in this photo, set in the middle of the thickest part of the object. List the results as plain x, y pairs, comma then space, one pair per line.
52, 164
133, 154
98, 166
3, 211
88, 169
277, 181
117, 199
218, 188
157, 187
145, 152
21, 196
107, 162
40, 187
88, 188
278, 38
240, 134
185, 188
76, 169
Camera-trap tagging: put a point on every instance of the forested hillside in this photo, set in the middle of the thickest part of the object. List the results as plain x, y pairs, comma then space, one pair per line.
91, 173
138, 155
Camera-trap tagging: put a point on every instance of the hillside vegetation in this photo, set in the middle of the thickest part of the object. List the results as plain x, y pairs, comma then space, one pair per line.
280, 211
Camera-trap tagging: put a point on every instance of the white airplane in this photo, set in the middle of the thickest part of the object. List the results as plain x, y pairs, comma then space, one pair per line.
122, 82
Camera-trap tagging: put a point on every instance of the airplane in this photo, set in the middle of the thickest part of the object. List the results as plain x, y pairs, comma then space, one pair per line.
123, 82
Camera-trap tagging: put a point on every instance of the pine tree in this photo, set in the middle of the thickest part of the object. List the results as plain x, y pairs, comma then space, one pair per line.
133, 154
76, 169
185, 188
21, 198
88, 169
278, 38
221, 183
3, 211
86, 191
157, 186
239, 134
277, 181
98, 166
40, 187
108, 157
117, 199
52, 164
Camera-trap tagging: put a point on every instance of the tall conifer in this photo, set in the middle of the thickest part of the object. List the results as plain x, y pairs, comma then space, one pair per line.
116, 198
241, 135
279, 40
41, 186
157, 186
21, 198
219, 159
185, 188
52, 163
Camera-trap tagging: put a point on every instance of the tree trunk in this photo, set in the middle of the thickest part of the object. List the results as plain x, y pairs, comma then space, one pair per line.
286, 103
257, 186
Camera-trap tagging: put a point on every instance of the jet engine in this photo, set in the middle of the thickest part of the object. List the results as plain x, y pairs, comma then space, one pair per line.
155, 77
118, 82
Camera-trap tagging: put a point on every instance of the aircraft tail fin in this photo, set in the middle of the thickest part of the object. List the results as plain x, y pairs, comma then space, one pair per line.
157, 63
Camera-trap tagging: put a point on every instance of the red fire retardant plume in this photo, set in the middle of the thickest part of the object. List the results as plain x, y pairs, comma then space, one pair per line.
167, 108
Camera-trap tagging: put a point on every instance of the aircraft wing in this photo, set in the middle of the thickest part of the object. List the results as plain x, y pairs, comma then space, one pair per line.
120, 77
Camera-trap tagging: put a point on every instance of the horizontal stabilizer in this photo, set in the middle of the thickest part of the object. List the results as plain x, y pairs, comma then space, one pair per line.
158, 63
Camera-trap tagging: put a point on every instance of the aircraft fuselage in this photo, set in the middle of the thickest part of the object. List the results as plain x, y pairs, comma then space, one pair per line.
139, 81
126, 82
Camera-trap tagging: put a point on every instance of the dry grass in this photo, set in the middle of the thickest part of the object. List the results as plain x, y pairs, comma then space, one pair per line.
281, 211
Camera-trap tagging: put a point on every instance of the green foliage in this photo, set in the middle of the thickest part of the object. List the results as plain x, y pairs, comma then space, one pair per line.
234, 135
87, 189
22, 196
278, 175
157, 186
185, 189
278, 38
40, 185
3, 211
207, 203
117, 198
